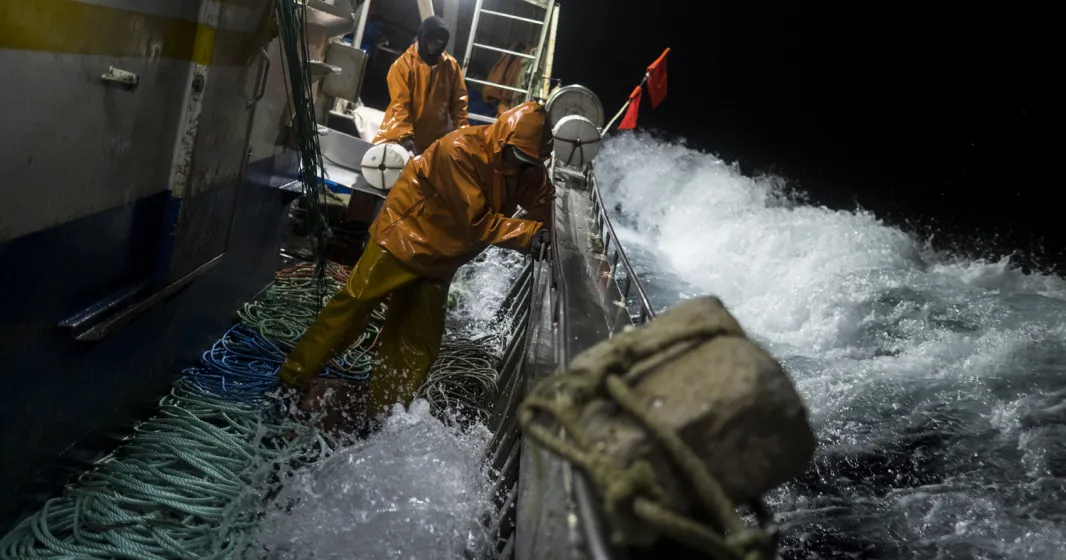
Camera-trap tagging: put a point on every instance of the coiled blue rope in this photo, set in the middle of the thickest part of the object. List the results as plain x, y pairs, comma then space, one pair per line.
243, 364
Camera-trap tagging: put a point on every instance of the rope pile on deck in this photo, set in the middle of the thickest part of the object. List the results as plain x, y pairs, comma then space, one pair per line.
169, 489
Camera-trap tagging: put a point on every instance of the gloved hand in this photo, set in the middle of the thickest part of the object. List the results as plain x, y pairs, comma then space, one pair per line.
409, 145
538, 246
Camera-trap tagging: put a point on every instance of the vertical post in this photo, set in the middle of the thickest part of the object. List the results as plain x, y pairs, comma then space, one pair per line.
425, 9
470, 42
451, 17
546, 85
540, 50
364, 10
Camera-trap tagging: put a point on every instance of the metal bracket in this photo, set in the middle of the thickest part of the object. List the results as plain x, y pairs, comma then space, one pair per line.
121, 78
264, 73
107, 326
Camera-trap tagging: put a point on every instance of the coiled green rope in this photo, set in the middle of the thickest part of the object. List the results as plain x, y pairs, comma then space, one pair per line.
290, 304
178, 487
463, 379
165, 491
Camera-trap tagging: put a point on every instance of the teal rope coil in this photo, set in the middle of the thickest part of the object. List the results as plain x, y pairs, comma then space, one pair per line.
169, 487
186, 483
165, 491
292, 302
463, 379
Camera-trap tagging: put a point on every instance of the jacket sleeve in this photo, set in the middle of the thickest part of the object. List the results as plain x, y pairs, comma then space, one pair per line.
460, 118
537, 199
461, 187
398, 124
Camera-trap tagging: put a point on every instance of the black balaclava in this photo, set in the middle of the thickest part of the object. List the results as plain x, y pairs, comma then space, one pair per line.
432, 27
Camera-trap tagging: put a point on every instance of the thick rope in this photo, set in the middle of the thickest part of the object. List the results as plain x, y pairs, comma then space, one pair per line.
632, 496
179, 486
271, 325
463, 379
164, 492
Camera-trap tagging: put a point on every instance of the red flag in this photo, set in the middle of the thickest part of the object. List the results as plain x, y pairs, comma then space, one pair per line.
630, 120
657, 79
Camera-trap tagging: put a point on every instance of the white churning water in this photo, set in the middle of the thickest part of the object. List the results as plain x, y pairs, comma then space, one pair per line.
936, 383
417, 488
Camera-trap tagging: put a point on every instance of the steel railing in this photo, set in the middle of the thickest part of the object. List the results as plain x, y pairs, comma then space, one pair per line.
630, 291
592, 531
589, 537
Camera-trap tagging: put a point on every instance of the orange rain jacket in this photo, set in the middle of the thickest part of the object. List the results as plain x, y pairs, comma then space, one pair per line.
507, 71
423, 97
457, 198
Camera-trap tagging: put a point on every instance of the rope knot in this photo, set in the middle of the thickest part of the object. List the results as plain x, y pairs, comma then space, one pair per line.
621, 488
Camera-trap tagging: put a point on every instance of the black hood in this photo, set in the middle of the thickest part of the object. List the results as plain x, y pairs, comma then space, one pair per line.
434, 27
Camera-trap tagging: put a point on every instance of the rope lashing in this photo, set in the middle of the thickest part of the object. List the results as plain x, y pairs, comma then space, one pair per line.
631, 496
579, 147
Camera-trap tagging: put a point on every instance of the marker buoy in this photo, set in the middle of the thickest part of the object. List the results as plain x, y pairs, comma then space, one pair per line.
383, 163
577, 141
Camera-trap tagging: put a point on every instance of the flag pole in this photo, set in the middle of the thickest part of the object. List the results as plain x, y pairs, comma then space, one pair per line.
623, 109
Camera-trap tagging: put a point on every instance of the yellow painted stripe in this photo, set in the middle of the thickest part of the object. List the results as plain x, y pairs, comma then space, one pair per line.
69, 27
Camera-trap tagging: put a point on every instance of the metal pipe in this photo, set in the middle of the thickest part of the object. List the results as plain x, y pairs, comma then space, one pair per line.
451, 19
550, 56
484, 83
364, 11
473, 32
505, 51
540, 52
511, 16
425, 9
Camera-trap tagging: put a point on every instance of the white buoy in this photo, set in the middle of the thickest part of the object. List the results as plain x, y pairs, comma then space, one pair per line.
577, 141
383, 163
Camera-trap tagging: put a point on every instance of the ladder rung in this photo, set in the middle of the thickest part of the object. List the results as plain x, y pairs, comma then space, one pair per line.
509, 16
484, 83
505, 51
480, 118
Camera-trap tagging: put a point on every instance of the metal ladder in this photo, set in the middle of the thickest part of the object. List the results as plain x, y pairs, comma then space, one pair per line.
535, 57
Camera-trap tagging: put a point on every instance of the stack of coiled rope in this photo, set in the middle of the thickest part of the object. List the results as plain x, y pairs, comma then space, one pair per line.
165, 491
171, 487
463, 379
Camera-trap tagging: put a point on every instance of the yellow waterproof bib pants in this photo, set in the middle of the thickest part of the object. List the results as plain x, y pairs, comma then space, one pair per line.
410, 338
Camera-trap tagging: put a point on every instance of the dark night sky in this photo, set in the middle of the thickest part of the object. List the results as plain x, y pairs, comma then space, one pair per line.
925, 114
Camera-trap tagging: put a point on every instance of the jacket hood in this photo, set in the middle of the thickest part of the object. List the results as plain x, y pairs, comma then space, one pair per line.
527, 128
432, 27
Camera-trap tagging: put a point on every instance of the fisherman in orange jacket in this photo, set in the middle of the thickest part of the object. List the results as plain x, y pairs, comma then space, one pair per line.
447, 206
427, 92
507, 71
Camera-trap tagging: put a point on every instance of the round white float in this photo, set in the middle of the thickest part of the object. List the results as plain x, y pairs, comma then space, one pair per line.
577, 141
383, 163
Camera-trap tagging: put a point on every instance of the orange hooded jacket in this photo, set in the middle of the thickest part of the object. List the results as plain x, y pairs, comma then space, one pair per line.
507, 71
458, 197
422, 98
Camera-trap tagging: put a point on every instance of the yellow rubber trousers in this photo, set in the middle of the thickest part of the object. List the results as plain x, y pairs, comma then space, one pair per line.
410, 338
